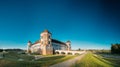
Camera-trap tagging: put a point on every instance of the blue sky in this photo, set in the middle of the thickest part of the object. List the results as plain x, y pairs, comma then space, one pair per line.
87, 24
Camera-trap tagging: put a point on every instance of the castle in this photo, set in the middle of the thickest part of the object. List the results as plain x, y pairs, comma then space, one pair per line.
46, 45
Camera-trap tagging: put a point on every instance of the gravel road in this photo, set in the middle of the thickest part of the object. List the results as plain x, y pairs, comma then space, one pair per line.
68, 63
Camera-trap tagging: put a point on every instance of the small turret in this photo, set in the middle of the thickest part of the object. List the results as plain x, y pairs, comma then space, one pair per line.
29, 44
68, 43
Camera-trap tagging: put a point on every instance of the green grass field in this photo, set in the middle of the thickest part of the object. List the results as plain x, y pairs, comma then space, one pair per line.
11, 60
93, 60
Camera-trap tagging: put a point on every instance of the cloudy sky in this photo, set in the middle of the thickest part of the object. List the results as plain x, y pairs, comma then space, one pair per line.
87, 24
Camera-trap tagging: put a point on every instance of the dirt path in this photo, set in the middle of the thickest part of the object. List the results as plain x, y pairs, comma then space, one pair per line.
68, 63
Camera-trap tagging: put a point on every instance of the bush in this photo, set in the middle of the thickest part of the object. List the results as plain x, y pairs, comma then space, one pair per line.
115, 49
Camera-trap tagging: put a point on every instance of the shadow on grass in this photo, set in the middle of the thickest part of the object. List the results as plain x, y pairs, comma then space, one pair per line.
50, 58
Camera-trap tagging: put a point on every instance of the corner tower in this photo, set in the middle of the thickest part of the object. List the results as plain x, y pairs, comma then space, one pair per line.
46, 43
29, 44
68, 43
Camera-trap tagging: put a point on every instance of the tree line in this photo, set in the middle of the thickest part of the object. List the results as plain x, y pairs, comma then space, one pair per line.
1, 50
115, 48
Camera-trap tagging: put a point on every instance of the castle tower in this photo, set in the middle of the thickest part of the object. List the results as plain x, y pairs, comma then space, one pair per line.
46, 43
29, 44
68, 45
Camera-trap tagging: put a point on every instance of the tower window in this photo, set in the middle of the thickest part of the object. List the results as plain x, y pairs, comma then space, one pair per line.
49, 42
48, 36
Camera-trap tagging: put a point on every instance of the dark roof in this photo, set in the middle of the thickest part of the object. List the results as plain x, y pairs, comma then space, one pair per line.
57, 41
53, 40
29, 41
68, 41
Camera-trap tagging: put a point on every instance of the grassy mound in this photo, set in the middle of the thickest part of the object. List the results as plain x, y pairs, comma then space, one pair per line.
92, 61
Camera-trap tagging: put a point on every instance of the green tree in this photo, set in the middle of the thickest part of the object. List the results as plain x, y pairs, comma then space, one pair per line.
115, 48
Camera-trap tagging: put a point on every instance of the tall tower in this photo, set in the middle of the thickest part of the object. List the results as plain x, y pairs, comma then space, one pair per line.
46, 43
68, 45
29, 44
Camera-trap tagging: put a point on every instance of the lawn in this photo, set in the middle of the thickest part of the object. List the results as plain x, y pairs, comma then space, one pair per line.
11, 60
93, 60
113, 58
